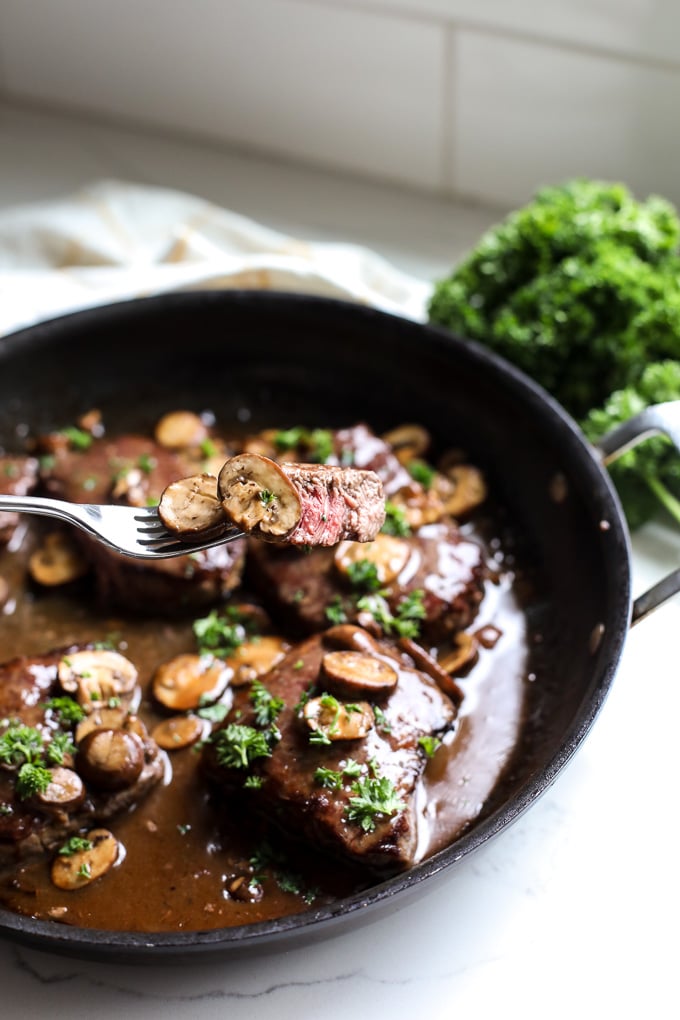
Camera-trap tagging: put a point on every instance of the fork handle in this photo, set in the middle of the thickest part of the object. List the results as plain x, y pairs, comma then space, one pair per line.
42, 506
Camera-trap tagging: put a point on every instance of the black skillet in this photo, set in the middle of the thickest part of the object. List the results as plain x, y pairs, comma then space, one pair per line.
286, 360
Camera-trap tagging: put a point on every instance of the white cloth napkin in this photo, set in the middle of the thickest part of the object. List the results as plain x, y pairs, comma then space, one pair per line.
115, 240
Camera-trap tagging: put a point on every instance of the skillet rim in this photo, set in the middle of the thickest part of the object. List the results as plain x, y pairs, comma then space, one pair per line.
124, 946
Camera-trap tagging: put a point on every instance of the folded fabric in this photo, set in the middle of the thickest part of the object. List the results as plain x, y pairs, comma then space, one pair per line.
115, 240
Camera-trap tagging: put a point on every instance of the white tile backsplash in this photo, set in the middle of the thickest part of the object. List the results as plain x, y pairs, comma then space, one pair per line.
643, 28
354, 90
528, 115
481, 98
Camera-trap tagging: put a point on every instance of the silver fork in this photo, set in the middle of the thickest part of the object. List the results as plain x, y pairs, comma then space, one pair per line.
130, 530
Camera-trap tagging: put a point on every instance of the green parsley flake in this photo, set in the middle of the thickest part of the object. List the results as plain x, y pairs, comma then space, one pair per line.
372, 799
216, 636
238, 746
266, 706
429, 744
77, 438
363, 575
74, 845
267, 497
328, 778
334, 611
396, 522
421, 472
32, 779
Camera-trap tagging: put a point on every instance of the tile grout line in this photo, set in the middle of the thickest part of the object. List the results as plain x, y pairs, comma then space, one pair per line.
448, 112
501, 31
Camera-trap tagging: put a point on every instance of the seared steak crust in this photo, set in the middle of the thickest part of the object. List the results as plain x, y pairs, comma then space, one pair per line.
290, 791
26, 683
135, 470
447, 567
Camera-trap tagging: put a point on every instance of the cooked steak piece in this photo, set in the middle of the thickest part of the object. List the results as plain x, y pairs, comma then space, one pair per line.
448, 568
301, 504
135, 470
18, 477
34, 820
355, 798
360, 447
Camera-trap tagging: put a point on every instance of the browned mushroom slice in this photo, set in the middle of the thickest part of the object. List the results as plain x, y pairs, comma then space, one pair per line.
255, 658
56, 561
110, 759
356, 673
97, 677
110, 719
190, 507
468, 492
178, 732
257, 495
64, 792
389, 556
73, 870
187, 680
429, 665
463, 655
408, 441
331, 720
179, 430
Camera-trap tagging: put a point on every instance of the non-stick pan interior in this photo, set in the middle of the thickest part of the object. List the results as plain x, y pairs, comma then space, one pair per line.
264, 359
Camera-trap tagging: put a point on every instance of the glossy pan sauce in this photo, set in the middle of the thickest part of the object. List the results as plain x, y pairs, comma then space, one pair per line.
185, 848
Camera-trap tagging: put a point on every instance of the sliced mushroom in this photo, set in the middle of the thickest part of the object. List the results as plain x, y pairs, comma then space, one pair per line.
469, 489
408, 441
190, 507
389, 556
187, 680
463, 655
97, 677
255, 658
73, 871
336, 720
57, 561
257, 494
110, 759
65, 791
348, 635
356, 673
429, 665
110, 719
180, 430
178, 732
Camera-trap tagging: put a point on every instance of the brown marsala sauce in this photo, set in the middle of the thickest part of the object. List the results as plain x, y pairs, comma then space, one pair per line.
182, 846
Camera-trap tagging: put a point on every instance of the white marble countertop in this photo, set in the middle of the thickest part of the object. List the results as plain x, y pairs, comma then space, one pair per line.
573, 909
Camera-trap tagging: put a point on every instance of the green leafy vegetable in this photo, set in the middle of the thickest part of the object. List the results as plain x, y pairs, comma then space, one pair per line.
328, 778
395, 521
372, 798
421, 472
59, 746
266, 706
429, 744
74, 845
20, 745
334, 611
238, 746
66, 709
363, 575
32, 779
409, 613
77, 438
581, 290
217, 636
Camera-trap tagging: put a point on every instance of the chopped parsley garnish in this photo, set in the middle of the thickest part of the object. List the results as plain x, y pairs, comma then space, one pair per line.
381, 719
214, 713
429, 744
334, 611
317, 442
146, 463
77, 438
183, 829
298, 664
421, 472
328, 778
74, 845
32, 779
47, 461
372, 799
208, 449
253, 782
409, 613
59, 746
363, 575
267, 497
20, 745
84, 871
332, 707
238, 746
216, 636
66, 709
352, 768
396, 522
265, 704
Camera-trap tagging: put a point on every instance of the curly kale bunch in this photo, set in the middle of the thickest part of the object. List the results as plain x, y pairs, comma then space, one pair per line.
581, 290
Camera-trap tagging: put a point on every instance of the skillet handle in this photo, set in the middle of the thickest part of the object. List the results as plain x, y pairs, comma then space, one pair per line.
658, 419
